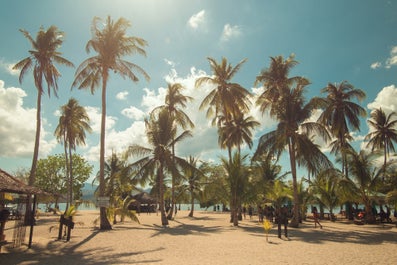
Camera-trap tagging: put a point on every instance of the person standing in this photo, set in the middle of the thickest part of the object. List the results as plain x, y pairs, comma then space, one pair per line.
282, 219
316, 217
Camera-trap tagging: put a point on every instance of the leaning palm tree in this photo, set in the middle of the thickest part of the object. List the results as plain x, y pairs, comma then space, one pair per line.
158, 160
384, 132
173, 100
42, 57
111, 44
226, 98
294, 132
73, 123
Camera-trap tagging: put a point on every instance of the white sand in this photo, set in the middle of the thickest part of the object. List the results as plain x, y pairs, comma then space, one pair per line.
208, 238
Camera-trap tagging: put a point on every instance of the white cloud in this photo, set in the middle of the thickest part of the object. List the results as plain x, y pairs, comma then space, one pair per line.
197, 20
230, 32
18, 126
169, 62
118, 141
7, 66
386, 99
95, 119
122, 95
152, 99
376, 65
133, 113
389, 62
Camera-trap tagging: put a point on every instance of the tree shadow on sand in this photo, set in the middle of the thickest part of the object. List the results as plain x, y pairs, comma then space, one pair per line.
350, 233
62, 252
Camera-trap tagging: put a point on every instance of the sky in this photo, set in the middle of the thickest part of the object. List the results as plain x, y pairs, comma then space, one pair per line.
333, 41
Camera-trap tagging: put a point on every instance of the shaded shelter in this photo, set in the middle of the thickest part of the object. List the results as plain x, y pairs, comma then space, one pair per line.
143, 202
11, 184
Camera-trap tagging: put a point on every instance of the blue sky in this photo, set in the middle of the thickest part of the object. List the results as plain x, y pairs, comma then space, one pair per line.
332, 40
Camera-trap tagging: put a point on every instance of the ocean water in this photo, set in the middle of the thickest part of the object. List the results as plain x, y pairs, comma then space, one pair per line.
83, 207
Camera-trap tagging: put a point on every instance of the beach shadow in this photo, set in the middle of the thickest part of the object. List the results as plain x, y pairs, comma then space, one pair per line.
186, 229
354, 234
62, 252
95, 256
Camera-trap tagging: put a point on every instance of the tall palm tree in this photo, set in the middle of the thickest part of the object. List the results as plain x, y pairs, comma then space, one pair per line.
340, 113
73, 123
110, 42
275, 80
158, 160
227, 98
173, 100
43, 55
294, 132
384, 132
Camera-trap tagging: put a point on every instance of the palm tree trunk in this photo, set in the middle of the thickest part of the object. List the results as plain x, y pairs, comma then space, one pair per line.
32, 176
172, 186
67, 170
295, 217
104, 222
192, 203
71, 175
384, 161
164, 220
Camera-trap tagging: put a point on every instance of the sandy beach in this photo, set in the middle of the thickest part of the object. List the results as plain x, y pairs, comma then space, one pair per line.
208, 238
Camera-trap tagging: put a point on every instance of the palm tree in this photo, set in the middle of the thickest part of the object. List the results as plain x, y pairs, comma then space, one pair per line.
384, 132
267, 172
237, 131
340, 113
325, 188
173, 99
118, 187
42, 57
111, 44
279, 193
158, 160
227, 98
275, 80
294, 132
237, 177
365, 180
195, 179
73, 123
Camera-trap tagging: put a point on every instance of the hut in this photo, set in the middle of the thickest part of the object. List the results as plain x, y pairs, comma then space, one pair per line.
10, 184
143, 203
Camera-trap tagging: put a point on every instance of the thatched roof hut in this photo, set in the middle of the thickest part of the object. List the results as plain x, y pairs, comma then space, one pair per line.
11, 184
144, 198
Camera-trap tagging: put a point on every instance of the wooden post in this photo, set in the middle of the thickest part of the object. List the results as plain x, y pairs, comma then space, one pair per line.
32, 221
60, 227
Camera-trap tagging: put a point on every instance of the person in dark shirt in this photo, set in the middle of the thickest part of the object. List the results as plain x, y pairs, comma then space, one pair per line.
282, 219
